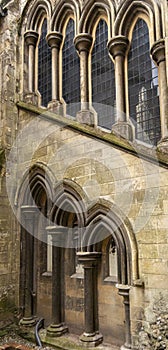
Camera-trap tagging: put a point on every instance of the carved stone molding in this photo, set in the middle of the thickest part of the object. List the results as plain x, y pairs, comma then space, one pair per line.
158, 51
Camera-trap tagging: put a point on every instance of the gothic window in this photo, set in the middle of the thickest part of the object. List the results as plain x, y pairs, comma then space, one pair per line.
70, 72
103, 78
44, 67
78, 268
111, 268
112, 260
143, 86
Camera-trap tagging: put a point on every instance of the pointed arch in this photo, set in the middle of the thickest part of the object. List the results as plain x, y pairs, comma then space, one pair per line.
39, 175
62, 11
94, 10
129, 10
34, 11
69, 196
103, 219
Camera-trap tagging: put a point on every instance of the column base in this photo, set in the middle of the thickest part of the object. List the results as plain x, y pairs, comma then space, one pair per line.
32, 98
56, 107
28, 321
163, 145
57, 330
86, 117
91, 340
124, 130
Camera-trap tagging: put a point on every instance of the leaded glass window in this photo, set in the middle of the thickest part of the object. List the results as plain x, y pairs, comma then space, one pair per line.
44, 67
103, 78
70, 72
143, 86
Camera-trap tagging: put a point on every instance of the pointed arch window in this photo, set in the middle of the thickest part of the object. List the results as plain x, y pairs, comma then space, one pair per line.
143, 86
70, 71
111, 268
103, 77
44, 67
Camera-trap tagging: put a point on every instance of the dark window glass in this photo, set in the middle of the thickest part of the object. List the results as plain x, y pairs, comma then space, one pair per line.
44, 67
70, 71
143, 86
103, 78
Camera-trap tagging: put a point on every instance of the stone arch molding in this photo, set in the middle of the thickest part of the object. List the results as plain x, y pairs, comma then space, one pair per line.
93, 217
95, 9
35, 11
106, 215
38, 174
130, 9
119, 16
62, 11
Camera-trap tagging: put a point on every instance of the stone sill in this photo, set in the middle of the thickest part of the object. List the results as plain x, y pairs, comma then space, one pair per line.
135, 148
47, 274
110, 280
78, 275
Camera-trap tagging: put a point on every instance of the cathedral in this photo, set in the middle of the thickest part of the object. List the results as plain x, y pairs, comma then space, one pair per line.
83, 170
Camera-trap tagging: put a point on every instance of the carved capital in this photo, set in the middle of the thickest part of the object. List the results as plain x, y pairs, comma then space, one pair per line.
118, 46
88, 259
83, 42
58, 234
158, 51
123, 290
29, 211
54, 39
31, 37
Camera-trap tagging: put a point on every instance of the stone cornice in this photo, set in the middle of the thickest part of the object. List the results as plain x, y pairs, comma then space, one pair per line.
137, 149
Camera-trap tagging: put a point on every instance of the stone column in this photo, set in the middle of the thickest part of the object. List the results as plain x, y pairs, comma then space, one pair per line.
123, 290
31, 38
91, 335
158, 55
58, 327
117, 47
54, 40
28, 215
83, 43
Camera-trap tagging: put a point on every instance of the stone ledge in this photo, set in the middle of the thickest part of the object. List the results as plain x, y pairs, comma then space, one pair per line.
135, 148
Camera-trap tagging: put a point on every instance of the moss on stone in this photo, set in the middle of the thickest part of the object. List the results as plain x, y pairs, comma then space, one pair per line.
151, 154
